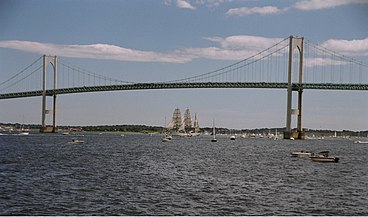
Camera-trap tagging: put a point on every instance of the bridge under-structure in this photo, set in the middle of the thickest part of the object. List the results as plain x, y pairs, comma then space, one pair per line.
201, 81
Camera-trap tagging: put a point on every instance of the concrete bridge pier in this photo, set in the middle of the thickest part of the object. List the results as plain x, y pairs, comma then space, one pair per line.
48, 129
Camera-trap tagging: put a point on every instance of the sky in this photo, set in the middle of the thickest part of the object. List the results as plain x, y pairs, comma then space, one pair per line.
156, 40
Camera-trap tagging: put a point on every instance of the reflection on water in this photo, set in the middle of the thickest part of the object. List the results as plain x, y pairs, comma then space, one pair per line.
140, 175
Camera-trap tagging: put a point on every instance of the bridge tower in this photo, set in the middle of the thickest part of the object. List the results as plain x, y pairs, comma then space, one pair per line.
45, 129
295, 42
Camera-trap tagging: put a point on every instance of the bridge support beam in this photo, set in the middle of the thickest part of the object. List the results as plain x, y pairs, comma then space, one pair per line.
295, 42
44, 128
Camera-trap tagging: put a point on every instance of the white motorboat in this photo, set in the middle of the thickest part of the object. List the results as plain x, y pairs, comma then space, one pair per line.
167, 138
24, 133
232, 137
301, 153
76, 141
324, 157
361, 142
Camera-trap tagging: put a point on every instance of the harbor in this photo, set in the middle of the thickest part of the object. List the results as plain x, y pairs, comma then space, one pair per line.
139, 175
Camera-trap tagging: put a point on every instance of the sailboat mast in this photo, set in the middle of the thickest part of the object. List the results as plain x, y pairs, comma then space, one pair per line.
196, 124
213, 129
177, 119
187, 120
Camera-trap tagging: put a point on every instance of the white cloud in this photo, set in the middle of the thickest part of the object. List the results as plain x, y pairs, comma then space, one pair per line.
167, 2
215, 3
244, 11
235, 48
247, 42
216, 53
300, 5
184, 4
346, 47
341, 47
324, 4
230, 48
313, 62
95, 51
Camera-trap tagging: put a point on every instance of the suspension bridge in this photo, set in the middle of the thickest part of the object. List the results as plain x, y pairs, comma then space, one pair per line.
293, 63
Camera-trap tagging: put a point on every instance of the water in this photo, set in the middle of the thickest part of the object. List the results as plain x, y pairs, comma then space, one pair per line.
140, 175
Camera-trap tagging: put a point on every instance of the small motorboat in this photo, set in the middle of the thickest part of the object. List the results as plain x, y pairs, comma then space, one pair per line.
324, 157
301, 153
76, 141
232, 137
24, 133
361, 142
167, 138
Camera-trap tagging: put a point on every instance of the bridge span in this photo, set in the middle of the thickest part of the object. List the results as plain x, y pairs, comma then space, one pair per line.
192, 85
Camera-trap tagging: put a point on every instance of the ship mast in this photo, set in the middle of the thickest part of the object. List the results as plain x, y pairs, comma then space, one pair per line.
196, 124
187, 121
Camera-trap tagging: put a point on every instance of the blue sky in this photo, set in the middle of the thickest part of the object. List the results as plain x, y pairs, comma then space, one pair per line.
143, 41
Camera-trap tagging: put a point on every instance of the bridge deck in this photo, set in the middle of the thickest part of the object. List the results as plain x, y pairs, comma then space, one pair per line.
146, 86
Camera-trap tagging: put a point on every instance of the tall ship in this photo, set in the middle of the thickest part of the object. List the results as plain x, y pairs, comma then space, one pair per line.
183, 126
175, 123
196, 125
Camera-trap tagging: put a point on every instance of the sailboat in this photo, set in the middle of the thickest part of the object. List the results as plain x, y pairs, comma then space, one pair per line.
176, 123
213, 132
23, 131
196, 127
187, 121
167, 137
276, 136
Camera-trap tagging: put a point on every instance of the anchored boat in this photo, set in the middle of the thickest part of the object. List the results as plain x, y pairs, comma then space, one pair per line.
324, 157
76, 141
213, 132
167, 138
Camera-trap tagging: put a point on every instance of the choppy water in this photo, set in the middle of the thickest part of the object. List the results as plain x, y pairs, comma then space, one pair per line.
140, 175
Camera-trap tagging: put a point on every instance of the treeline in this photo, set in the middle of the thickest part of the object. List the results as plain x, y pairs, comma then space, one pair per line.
309, 132
123, 128
221, 130
157, 129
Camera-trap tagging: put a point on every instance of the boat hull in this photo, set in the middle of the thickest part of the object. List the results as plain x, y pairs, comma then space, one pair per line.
325, 159
77, 143
361, 142
301, 154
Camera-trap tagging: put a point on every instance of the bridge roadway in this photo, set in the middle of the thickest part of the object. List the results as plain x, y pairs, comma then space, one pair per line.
146, 86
